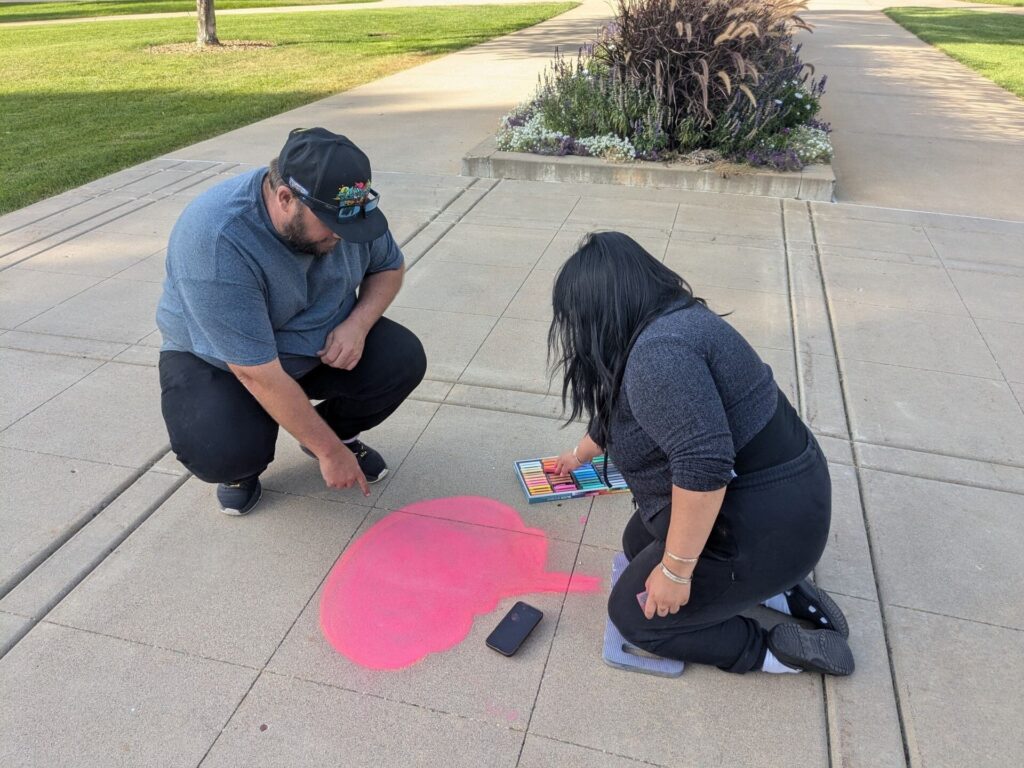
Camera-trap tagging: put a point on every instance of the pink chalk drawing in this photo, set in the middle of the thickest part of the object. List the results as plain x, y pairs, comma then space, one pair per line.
412, 584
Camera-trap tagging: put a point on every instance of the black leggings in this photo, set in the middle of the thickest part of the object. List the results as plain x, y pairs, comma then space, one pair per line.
222, 434
770, 533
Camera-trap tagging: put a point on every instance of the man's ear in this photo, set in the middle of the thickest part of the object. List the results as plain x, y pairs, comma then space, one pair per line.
285, 197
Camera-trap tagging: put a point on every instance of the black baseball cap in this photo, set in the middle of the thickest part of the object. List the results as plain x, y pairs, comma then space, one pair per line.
331, 175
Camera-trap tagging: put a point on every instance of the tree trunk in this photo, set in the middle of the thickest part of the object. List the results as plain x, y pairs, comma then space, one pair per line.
206, 24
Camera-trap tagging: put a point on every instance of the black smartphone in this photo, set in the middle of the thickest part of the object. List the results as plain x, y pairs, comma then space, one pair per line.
513, 629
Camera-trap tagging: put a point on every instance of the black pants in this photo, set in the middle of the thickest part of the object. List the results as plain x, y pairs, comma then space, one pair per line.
770, 533
222, 434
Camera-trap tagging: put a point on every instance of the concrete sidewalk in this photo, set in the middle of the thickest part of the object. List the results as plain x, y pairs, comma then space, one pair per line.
141, 627
913, 128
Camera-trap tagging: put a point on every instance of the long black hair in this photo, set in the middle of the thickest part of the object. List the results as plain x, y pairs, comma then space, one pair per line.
604, 296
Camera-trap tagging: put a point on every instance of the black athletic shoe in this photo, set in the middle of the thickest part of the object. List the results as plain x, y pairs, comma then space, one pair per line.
370, 461
813, 604
824, 650
239, 498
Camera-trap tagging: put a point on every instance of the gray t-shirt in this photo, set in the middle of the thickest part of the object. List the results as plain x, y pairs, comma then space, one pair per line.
694, 393
236, 292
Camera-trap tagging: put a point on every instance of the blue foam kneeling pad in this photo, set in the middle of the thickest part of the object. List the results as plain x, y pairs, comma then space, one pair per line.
622, 655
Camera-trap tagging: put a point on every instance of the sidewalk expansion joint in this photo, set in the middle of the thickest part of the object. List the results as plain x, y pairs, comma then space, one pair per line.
872, 553
52, 551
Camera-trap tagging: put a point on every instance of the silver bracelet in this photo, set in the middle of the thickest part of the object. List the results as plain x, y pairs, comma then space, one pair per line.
679, 559
675, 578
576, 455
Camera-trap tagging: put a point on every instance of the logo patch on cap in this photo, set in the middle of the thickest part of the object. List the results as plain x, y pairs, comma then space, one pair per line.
354, 195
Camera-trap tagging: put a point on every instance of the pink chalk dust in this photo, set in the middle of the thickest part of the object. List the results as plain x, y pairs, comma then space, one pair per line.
411, 585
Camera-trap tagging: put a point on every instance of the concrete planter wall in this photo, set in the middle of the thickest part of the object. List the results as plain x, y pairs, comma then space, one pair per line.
816, 182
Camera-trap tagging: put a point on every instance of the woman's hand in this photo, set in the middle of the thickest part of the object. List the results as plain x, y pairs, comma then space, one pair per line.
664, 596
567, 462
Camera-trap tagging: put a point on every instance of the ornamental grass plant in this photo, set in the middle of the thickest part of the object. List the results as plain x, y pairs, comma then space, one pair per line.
670, 77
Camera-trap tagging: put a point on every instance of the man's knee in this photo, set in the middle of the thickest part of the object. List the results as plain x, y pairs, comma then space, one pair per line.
222, 462
410, 359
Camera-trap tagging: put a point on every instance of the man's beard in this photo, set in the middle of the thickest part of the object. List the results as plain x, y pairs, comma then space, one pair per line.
296, 234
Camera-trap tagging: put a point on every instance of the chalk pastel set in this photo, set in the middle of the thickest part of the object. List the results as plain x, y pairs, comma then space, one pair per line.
541, 481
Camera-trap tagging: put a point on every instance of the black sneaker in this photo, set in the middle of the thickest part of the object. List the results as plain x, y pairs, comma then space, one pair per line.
239, 498
813, 604
370, 461
824, 650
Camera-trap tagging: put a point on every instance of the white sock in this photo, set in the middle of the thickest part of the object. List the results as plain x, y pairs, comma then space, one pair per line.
778, 603
773, 665
350, 440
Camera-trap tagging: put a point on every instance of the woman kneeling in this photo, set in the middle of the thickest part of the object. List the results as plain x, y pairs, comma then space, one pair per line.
732, 492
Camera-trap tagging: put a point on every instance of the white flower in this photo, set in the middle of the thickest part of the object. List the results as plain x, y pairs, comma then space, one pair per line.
779, 102
798, 95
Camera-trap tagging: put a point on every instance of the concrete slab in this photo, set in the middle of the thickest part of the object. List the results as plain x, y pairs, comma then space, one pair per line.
968, 246
295, 473
450, 339
611, 213
728, 266
139, 354
44, 500
704, 717
28, 293
846, 568
763, 225
533, 301
134, 704
118, 310
535, 205
568, 240
470, 679
240, 581
762, 318
896, 406
978, 725
471, 288
284, 722
890, 284
926, 340
837, 451
62, 345
783, 365
606, 521
471, 452
29, 379
541, 752
45, 586
500, 246
955, 469
864, 723
12, 629
508, 400
992, 296
102, 252
910, 522
514, 356
823, 407
112, 416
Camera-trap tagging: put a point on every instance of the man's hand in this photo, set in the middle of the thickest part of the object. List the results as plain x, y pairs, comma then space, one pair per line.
344, 346
341, 470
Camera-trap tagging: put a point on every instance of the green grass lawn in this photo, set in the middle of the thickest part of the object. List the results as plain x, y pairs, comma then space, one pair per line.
83, 100
42, 11
988, 42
